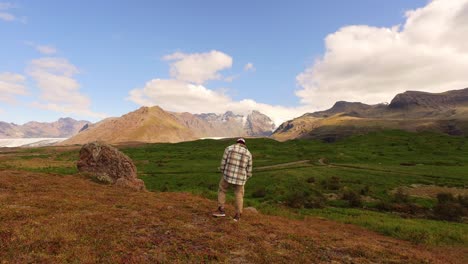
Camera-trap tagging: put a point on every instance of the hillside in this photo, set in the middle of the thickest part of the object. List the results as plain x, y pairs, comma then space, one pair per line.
153, 124
62, 128
143, 125
74, 219
411, 111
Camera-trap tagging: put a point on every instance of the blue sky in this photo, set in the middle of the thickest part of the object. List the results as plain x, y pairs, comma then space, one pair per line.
102, 50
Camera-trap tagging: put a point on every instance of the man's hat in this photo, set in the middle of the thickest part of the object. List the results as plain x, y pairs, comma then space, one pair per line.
241, 140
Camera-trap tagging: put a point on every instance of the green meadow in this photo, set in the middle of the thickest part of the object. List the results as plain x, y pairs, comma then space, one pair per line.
370, 167
364, 180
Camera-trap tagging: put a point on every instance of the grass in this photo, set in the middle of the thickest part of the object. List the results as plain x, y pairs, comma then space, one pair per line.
372, 161
376, 163
48, 218
415, 230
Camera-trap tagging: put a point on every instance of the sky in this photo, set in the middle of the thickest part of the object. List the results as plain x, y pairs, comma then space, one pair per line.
95, 59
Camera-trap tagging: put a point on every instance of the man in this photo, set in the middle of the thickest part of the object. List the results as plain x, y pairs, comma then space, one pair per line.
236, 167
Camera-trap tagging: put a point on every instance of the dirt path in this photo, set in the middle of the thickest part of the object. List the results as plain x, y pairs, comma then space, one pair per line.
323, 162
282, 165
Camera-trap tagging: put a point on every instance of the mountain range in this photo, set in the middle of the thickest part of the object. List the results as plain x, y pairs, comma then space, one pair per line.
415, 111
62, 128
153, 124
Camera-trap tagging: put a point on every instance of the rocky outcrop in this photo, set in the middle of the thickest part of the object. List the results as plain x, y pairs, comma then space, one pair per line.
258, 124
343, 107
107, 164
412, 99
229, 124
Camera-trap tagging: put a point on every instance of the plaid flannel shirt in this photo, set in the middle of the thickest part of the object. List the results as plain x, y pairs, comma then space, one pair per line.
236, 164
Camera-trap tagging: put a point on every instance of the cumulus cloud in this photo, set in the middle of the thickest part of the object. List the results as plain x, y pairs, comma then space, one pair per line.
46, 50
60, 91
198, 67
249, 67
11, 85
364, 63
186, 92
180, 96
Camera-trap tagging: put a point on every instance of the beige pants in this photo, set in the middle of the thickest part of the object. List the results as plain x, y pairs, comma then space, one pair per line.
238, 192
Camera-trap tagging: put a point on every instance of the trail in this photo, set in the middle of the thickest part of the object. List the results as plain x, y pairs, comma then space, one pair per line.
255, 168
281, 165
322, 162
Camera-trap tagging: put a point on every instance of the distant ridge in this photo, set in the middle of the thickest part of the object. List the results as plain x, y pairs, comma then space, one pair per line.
445, 112
62, 128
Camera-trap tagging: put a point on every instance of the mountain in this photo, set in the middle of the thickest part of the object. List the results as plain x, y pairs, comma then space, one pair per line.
153, 124
143, 125
62, 128
445, 112
254, 124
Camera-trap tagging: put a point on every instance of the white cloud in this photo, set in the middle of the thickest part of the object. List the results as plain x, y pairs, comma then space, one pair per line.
185, 93
59, 89
249, 67
11, 85
361, 63
180, 96
231, 78
43, 49
47, 50
198, 67
6, 15
370, 64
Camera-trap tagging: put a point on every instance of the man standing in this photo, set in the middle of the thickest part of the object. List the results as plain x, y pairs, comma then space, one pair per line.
236, 167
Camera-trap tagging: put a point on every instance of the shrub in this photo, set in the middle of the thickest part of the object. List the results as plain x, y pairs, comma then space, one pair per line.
463, 200
165, 188
305, 200
259, 193
400, 196
450, 209
332, 183
445, 197
304, 197
384, 206
352, 197
365, 190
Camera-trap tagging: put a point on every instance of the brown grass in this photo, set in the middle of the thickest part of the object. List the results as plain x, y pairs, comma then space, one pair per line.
55, 219
431, 191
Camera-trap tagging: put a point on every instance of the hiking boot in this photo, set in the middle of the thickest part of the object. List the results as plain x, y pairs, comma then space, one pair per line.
219, 213
236, 218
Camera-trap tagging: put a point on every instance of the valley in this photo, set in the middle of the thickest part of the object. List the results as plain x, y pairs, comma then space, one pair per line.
372, 181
